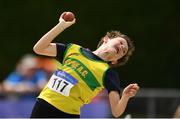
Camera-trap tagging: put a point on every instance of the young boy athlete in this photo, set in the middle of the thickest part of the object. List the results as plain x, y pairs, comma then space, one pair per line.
83, 74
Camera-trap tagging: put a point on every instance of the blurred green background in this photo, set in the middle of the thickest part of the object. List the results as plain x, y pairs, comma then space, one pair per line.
153, 26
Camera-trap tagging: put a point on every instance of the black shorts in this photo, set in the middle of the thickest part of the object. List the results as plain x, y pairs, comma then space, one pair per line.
43, 109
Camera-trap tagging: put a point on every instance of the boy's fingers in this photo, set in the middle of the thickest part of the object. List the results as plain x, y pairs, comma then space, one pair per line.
136, 87
133, 90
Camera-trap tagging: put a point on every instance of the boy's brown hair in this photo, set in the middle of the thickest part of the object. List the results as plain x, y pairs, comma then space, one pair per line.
131, 48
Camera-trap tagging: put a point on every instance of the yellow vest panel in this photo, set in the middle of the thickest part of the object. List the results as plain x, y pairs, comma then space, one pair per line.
76, 82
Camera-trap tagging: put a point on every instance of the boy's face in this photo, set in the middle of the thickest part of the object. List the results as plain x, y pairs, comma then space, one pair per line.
114, 49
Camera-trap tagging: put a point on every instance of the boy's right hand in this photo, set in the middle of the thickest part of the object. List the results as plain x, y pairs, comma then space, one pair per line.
66, 24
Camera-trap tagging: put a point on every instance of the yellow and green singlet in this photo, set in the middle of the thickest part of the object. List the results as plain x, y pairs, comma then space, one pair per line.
76, 82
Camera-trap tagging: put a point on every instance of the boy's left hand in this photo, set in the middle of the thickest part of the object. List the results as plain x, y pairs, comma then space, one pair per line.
130, 90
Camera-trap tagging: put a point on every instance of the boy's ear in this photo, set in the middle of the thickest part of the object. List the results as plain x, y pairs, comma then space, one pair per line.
105, 39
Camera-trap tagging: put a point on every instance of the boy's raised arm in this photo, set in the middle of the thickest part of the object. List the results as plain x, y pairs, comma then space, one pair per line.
44, 45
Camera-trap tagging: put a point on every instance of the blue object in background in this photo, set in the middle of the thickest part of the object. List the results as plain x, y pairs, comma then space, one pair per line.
99, 109
22, 109
16, 108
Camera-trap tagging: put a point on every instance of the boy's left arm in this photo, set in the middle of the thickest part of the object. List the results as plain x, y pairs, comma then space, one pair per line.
118, 105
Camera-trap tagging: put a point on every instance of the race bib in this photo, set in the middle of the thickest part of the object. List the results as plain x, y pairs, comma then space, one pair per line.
61, 82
